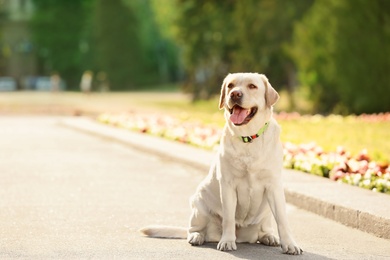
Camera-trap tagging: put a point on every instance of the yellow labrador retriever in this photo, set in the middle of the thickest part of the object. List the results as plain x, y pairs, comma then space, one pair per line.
235, 201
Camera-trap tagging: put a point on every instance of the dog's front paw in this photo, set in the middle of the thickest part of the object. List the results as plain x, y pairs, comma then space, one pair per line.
195, 239
227, 245
291, 249
269, 240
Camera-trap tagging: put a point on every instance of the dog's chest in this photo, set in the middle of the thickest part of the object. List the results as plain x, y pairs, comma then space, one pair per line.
248, 169
247, 161
250, 195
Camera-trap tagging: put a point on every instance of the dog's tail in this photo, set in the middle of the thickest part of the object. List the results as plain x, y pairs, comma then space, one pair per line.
164, 232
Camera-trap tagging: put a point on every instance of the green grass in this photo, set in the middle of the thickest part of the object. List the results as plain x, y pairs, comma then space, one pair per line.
328, 132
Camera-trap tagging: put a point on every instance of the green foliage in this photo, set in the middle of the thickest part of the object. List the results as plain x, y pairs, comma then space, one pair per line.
338, 49
342, 53
204, 32
223, 36
335, 50
262, 35
117, 43
159, 50
119, 37
363, 55
57, 28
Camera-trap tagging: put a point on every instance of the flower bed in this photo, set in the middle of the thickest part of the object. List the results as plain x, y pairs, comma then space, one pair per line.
339, 165
168, 127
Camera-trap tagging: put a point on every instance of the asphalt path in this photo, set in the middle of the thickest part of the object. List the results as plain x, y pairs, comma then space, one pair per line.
65, 194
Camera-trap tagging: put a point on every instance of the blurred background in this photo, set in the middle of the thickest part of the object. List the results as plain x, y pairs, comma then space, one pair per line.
334, 54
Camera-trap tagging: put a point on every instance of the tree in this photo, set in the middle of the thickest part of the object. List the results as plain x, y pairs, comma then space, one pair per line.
165, 15
129, 45
118, 37
362, 56
117, 43
57, 28
159, 53
342, 52
226, 36
263, 29
206, 35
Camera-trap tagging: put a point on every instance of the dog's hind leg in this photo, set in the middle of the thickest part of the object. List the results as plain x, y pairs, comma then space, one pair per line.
199, 221
265, 235
214, 229
197, 229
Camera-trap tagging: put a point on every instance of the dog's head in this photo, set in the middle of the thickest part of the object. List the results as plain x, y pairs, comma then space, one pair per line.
245, 95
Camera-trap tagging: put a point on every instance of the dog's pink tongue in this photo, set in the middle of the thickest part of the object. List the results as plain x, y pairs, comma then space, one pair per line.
239, 114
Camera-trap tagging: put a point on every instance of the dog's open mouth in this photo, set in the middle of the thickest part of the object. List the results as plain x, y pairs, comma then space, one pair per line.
241, 116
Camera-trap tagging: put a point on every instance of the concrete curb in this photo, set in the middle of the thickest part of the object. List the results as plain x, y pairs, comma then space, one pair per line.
352, 206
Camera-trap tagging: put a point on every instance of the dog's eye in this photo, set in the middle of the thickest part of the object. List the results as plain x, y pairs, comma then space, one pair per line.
230, 85
251, 86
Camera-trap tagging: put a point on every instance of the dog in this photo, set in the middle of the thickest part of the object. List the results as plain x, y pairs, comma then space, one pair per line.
235, 202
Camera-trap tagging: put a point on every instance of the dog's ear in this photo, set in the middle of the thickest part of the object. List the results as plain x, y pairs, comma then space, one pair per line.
271, 96
222, 97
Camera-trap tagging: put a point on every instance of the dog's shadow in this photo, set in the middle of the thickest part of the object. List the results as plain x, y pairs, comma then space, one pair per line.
258, 251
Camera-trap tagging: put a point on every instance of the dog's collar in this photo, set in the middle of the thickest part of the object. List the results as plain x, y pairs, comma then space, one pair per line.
249, 139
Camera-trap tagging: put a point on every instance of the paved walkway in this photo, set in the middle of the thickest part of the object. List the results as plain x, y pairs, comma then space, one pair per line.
67, 194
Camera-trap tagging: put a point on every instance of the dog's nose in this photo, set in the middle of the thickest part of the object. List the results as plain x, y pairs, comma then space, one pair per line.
236, 95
